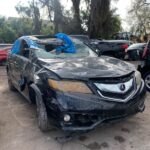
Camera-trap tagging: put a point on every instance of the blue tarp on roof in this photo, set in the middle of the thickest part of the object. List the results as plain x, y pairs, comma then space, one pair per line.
68, 47
17, 44
16, 47
30, 42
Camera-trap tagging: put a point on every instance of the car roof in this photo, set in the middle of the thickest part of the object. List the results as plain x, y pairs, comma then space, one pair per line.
138, 44
41, 39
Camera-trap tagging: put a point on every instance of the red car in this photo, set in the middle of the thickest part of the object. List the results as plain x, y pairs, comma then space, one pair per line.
4, 48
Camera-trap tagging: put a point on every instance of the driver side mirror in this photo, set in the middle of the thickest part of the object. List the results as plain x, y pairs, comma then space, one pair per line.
98, 52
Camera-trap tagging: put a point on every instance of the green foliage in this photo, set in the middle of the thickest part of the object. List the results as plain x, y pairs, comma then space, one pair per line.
47, 28
112, 25
12, 28
7, 34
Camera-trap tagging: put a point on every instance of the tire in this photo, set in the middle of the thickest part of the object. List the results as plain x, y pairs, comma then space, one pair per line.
147, 80
32, 95
43, 121
10, 84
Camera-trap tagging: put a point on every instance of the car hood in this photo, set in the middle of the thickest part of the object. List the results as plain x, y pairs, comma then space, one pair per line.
90, 67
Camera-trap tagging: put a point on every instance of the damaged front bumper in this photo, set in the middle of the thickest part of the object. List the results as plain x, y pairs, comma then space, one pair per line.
88, 111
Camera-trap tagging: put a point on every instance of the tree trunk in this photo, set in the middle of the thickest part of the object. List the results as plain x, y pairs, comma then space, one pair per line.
98, 15
55, 7
58, 16
36, 18
77, 19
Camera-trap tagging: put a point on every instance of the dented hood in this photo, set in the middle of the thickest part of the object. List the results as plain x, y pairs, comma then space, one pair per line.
90, 67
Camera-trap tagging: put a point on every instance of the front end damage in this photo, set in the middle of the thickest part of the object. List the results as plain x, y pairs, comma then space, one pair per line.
83, 112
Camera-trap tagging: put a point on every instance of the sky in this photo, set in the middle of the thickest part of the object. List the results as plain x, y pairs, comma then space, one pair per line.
123, 7
7, 8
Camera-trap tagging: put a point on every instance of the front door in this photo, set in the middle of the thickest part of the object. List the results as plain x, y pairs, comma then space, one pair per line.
21, 68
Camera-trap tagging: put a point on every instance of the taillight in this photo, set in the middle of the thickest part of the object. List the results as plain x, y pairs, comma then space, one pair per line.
145, 51
124, 46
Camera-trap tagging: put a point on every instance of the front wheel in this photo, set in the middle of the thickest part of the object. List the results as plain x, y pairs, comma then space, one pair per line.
43, 121
147, 80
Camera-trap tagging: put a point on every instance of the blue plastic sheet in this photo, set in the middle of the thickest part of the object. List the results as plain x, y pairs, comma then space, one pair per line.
68, 47
30, 42
17, 44
16, 47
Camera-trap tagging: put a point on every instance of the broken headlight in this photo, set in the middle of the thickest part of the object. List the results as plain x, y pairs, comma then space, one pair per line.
69, 86
138, 78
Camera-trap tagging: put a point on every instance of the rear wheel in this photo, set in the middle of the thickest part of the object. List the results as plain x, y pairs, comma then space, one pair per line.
10, 84
147, 80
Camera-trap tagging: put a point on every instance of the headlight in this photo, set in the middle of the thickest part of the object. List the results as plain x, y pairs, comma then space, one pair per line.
69, 86
138, 78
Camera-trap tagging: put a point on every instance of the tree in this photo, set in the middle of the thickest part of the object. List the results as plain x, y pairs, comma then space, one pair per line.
140, 12
77, 19
93, 17
32, 11
36, 17
7, 33
111, 25
99, 11
54, 12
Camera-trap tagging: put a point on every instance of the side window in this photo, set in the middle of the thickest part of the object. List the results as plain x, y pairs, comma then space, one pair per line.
24, 49
16, 47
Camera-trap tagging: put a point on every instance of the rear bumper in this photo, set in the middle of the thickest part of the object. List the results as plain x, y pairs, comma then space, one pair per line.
88, 113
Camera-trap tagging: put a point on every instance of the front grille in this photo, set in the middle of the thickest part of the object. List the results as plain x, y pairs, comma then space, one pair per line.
118, 95
115, 93
113, 79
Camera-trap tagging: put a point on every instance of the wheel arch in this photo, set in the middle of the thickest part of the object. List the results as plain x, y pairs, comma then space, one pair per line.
144, 70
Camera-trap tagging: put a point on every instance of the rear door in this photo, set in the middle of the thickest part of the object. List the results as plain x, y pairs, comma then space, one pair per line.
12, 61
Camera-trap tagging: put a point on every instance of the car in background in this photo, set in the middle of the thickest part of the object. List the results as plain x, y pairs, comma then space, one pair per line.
121, 36
135, 51
83, 38
4, 49
78, 90
144, 66
113, 48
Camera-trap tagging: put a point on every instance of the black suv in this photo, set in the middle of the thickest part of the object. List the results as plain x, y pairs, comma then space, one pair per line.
78, 91
113, 48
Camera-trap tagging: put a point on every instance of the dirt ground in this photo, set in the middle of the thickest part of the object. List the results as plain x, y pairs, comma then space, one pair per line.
19, 130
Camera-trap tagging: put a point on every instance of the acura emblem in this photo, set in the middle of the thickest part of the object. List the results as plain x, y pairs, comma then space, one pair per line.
122, 87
